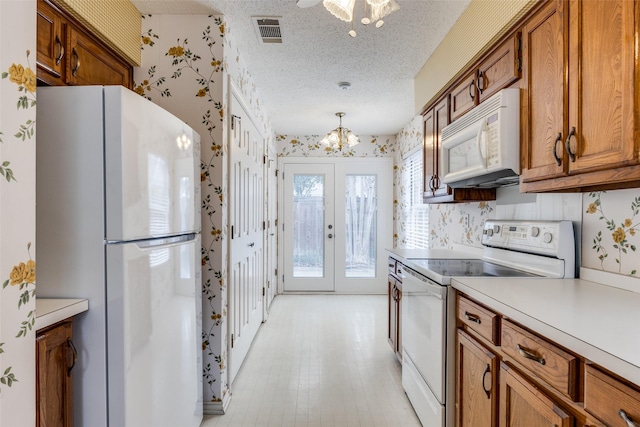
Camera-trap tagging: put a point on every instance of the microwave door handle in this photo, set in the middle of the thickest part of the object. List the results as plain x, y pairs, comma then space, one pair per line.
481, 142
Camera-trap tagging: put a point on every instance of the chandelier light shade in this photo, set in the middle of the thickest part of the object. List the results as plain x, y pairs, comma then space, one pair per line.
340, 137
341, 9
374, 11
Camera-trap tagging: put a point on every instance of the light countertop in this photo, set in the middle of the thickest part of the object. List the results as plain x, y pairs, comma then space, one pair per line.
593, 320
53, 310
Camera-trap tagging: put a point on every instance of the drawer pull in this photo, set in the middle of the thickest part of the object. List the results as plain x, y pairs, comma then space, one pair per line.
524, 352
486, 371
472, 317
627, 419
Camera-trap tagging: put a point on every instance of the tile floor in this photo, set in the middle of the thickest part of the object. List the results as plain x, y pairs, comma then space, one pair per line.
320, 360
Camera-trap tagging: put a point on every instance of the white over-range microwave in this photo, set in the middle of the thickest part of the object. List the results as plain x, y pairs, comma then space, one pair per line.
482, 148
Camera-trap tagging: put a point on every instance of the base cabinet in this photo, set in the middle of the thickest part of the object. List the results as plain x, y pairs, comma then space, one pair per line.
523, 404
394, 297
55, 359
510, 376
477, 384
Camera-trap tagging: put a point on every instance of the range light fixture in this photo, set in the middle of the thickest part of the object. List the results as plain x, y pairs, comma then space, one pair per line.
374, 11
340, 136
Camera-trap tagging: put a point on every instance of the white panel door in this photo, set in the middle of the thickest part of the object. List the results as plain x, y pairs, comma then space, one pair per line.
308, 227
246, 235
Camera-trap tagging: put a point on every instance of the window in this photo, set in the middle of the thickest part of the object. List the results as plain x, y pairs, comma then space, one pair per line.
416, 213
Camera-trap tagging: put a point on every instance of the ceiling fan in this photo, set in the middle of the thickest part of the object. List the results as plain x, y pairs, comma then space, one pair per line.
374, 10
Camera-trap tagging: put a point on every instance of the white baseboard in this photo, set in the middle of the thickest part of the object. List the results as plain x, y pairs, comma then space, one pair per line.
217, 408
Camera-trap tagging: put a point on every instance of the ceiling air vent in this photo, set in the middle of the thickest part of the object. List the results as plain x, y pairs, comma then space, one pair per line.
268, 29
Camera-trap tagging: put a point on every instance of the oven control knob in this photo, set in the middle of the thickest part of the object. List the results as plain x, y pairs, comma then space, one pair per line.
547, 237
496, 229
490, 232
535, 231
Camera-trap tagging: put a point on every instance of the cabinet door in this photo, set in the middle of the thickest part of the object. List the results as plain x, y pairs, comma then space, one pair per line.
476, 384
90, 64
543, 132
464, 96
50, 44
602, 54
430, 150
523, 404
54, 384
440, 120
500, 69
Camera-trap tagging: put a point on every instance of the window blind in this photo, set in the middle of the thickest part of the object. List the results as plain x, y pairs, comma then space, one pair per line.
416, 219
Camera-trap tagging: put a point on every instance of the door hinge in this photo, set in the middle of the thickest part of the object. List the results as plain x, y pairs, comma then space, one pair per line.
233, 121
232, 232
264, 225
264, 291
520, 64
264, 159
276, 172
276, 273
283, 278
275, 222
232, 340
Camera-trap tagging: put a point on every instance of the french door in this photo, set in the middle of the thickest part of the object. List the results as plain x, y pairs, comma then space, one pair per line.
337, 221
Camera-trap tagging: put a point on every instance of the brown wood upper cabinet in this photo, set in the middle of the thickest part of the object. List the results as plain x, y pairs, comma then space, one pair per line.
67, 54
496, 71
579, 79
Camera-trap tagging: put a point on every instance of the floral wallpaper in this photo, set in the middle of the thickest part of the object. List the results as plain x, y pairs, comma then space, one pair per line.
310, 146
17, 220
186, 63
611, 231
447, 224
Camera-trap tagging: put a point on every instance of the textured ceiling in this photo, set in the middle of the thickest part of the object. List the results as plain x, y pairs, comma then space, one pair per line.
298, 79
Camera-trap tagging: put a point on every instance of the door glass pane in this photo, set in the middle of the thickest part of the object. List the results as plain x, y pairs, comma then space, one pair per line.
308, 225
360, 231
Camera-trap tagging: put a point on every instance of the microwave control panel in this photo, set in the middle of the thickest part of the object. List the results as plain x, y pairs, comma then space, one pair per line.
492, 139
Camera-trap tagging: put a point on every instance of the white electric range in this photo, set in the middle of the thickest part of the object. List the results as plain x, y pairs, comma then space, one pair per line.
524, 249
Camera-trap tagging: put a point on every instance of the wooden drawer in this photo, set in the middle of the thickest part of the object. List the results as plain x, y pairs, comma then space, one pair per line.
610, 400
552, 364
479, 319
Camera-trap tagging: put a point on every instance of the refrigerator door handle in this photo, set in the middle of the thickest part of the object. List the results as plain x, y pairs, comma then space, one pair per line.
160, 241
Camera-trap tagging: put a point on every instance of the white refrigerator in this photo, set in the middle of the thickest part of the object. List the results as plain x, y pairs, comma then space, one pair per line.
118, 223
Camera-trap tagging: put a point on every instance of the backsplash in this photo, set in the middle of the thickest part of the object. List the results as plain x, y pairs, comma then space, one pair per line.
611, 231
606, 224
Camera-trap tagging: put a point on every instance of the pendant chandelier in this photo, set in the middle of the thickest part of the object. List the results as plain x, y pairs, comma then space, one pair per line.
373, 10
340, 137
